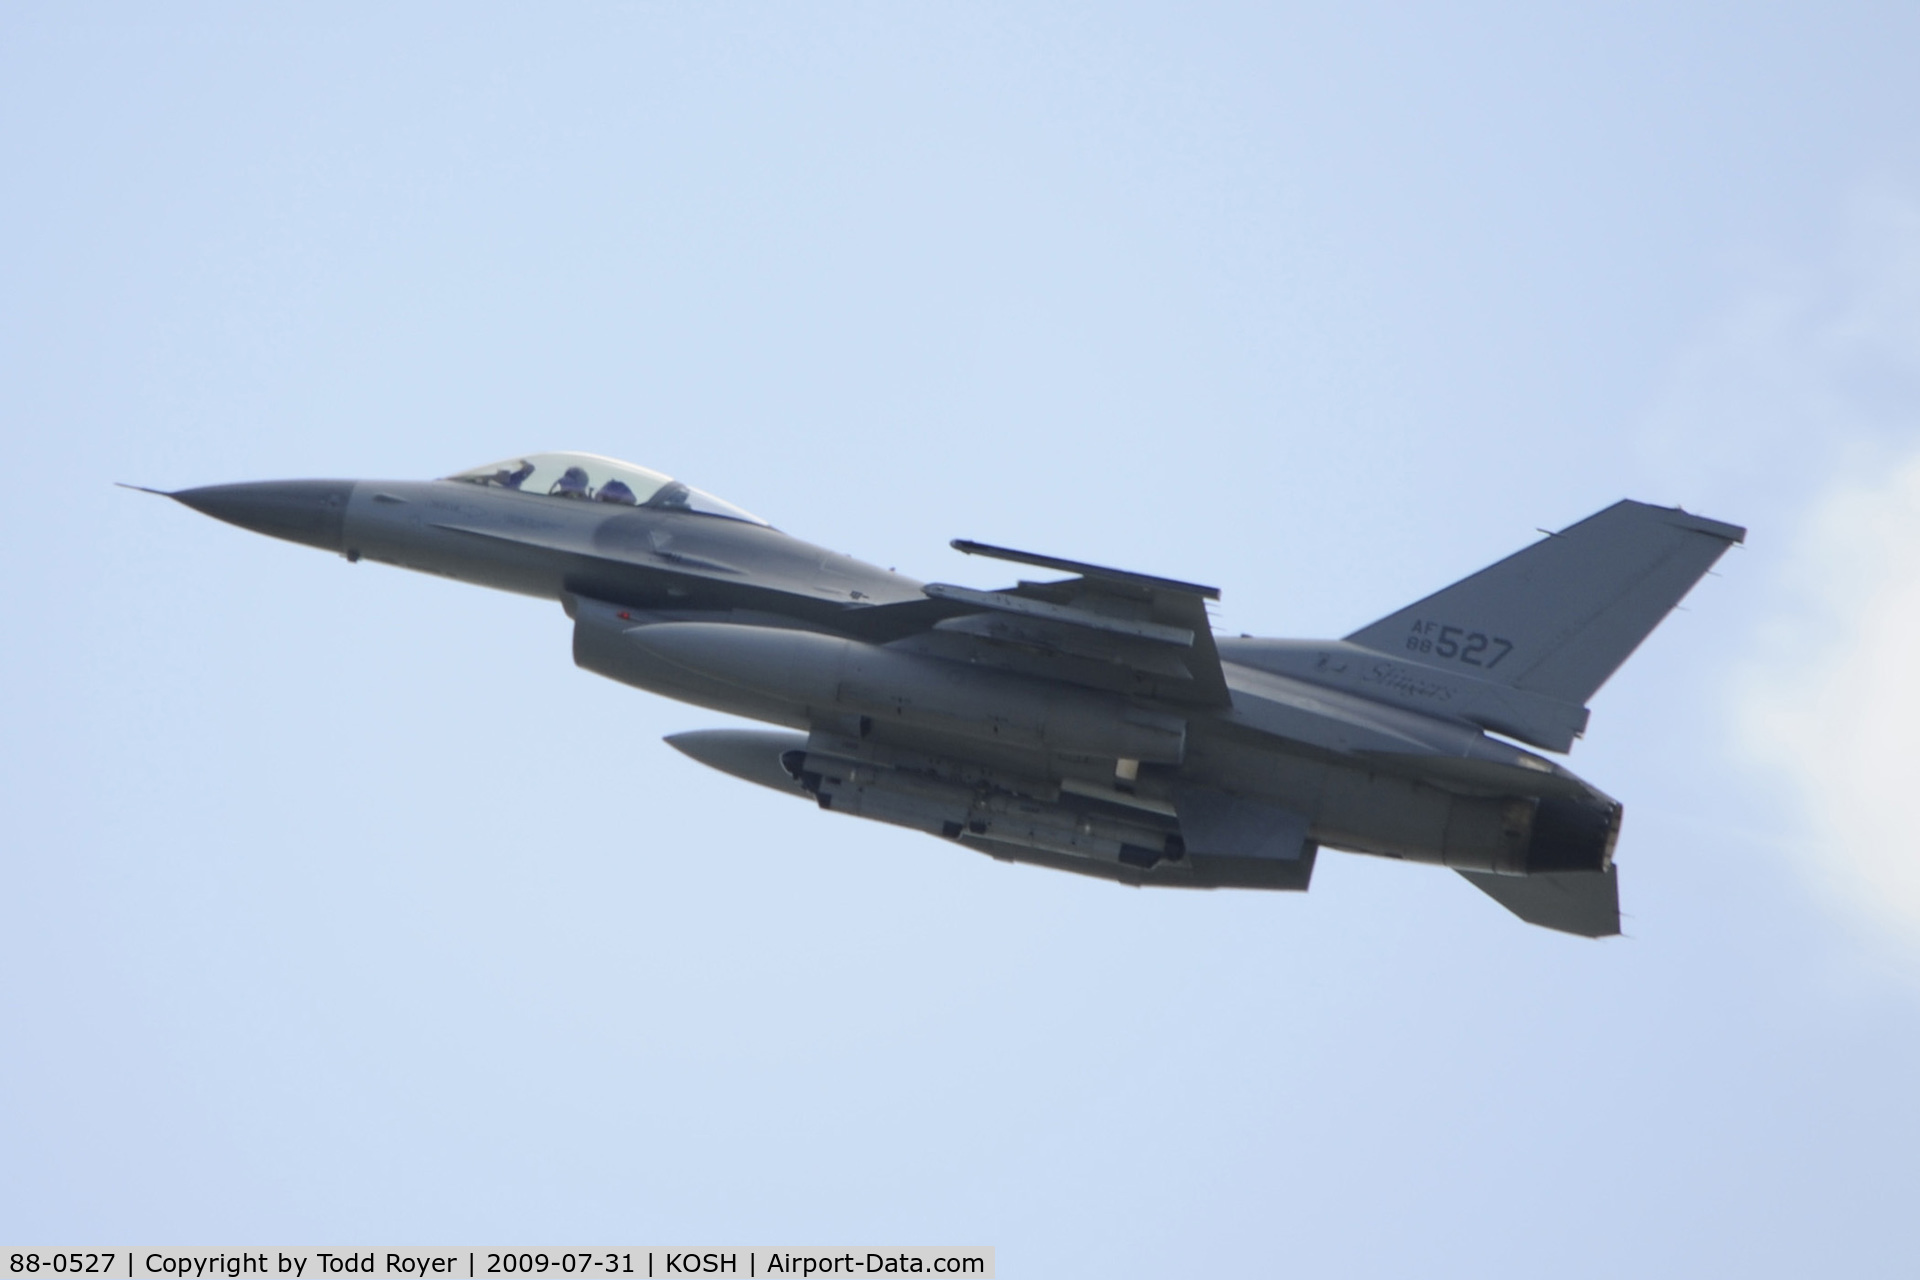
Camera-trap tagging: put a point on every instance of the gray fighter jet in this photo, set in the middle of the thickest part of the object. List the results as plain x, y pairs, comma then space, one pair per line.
1093, 722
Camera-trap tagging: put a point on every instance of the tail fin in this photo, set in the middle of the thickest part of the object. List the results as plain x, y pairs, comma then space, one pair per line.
1561, 616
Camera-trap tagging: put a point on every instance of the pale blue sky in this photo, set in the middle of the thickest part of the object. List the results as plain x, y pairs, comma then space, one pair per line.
340, 907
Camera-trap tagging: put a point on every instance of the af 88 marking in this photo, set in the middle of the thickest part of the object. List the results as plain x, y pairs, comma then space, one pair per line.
1457, 644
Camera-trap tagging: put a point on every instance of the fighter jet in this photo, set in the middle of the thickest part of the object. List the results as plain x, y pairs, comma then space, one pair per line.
1090, 722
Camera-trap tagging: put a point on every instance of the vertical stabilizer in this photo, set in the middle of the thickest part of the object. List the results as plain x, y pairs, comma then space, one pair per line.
1561, 616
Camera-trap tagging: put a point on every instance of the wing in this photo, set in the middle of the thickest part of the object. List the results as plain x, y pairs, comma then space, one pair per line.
1104, 628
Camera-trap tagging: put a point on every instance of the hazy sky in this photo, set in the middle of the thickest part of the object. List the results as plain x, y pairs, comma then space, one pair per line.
339, 907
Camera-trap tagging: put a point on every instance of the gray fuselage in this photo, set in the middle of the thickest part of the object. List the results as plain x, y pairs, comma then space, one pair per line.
1093, 724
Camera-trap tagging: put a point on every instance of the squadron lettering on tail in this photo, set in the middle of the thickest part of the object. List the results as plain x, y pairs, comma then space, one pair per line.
1091, 723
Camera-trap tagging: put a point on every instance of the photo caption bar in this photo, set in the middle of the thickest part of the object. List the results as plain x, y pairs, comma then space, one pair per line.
417, 1262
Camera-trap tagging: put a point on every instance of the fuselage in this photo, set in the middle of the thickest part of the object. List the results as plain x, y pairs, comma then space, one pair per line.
1092, 723
726, 612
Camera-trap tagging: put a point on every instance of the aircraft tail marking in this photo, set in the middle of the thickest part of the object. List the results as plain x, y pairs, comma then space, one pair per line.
1560, 617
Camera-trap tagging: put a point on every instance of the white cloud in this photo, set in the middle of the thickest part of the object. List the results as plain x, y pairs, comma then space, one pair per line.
1800, 409
1833, 700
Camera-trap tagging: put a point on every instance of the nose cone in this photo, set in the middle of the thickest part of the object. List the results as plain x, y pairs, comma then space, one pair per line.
310, 511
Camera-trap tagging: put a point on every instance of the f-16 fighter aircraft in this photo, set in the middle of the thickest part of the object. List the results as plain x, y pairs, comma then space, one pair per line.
1092, 722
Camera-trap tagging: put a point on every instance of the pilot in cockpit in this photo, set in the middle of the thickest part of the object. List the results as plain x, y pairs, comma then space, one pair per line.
573, 483
513, 479
619, 483
671, 496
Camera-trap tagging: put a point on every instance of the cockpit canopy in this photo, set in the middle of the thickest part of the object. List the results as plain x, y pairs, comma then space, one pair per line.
587, 477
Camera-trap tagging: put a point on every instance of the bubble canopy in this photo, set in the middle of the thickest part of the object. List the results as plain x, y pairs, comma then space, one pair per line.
588, 477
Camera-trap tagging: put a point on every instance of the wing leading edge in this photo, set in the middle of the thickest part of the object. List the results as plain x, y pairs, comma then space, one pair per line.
1104, 628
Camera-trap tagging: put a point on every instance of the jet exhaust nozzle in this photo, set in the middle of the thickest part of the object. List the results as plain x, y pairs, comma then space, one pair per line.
1571, 836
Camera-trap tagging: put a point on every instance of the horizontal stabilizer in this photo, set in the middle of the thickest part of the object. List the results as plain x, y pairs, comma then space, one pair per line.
1582, 902
1561, 616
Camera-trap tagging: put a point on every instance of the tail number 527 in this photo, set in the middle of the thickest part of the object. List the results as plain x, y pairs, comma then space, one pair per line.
1457, 644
